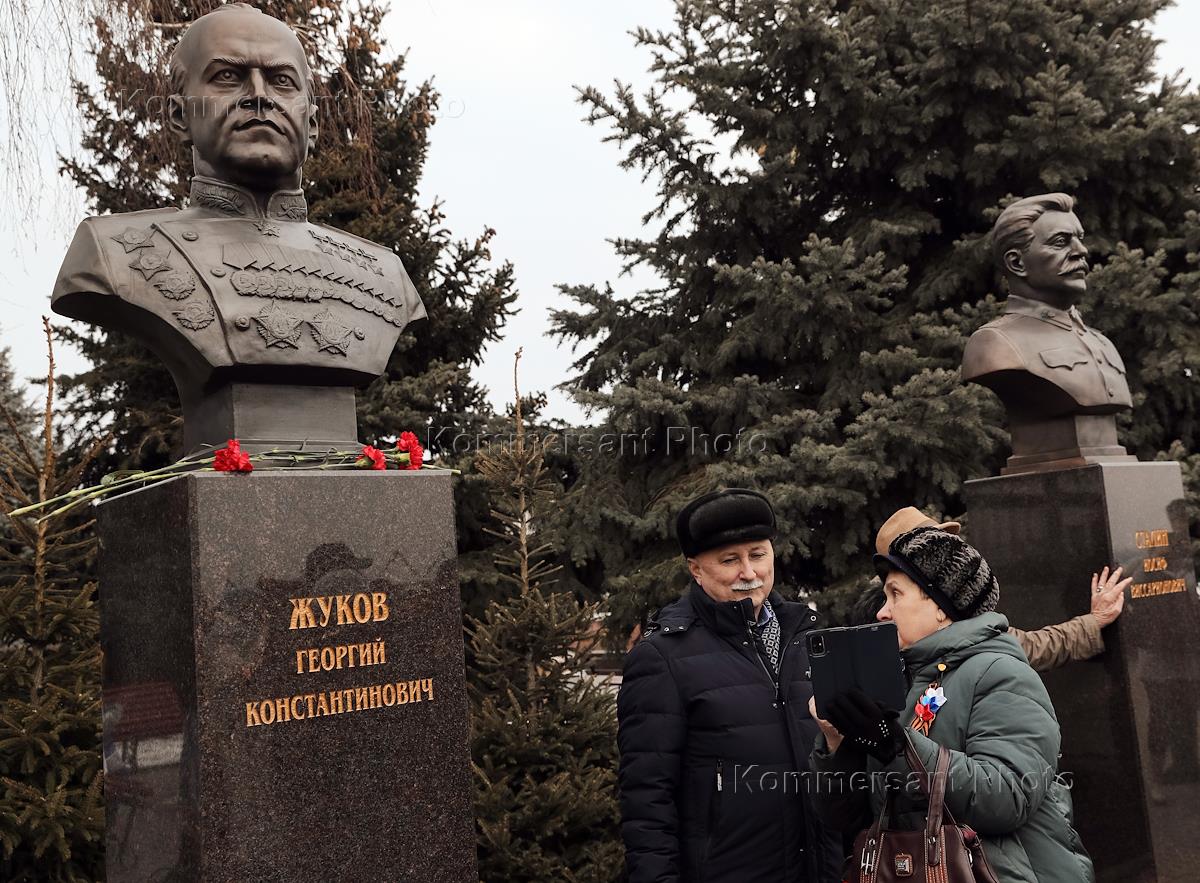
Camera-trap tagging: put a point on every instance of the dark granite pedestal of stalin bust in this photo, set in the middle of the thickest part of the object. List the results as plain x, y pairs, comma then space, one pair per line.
1073, 501
284, 694
1129, 715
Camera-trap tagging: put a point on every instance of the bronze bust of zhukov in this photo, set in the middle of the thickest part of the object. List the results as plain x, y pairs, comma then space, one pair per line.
1061, 381
266, 321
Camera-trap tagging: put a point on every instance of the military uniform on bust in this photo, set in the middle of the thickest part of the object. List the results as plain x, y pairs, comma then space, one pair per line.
256, 295
266, 321
1082, 369
1061, 381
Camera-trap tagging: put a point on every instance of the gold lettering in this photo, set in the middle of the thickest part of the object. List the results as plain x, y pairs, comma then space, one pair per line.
1159, 587
1153, 565
326, 605
379, 602
338, 656
300, 707
344, 616
302, 615
1152, 539
362, 608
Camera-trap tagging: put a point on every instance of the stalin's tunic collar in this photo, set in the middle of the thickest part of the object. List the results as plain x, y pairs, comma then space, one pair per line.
1036, 309
236, 202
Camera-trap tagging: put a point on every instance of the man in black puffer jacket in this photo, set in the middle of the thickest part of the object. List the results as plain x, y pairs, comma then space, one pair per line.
714, 726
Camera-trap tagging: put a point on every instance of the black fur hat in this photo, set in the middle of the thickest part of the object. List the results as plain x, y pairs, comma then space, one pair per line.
733, 515
951, 571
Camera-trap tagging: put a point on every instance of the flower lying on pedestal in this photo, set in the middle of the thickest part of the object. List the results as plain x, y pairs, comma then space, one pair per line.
406, 453
372, 458
407, 443
232, 458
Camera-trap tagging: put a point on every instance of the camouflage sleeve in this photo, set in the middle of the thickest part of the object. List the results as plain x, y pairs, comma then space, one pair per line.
1056, 645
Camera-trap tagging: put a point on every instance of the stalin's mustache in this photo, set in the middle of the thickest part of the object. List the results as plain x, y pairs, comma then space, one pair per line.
1078, 267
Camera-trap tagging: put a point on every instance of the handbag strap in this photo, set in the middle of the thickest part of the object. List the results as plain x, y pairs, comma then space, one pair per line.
885, 813
934, 787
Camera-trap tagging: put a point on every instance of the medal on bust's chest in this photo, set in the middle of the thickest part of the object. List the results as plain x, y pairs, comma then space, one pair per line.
929, 704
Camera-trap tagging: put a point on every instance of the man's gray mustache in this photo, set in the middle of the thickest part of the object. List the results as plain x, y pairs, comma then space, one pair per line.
744, 586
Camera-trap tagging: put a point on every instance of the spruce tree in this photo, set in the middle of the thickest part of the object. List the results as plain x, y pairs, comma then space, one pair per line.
543, 730
827, 174
21, 417
51, 814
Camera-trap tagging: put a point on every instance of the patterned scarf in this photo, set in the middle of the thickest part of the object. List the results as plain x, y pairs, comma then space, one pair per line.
768, 632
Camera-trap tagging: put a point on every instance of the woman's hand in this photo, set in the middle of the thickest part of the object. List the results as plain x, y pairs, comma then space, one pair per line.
832, 737
867, 724
1108, 595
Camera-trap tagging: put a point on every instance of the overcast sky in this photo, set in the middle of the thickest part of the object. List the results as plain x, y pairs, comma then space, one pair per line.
509, 151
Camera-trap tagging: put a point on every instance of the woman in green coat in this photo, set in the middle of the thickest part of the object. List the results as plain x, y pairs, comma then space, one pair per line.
983, 702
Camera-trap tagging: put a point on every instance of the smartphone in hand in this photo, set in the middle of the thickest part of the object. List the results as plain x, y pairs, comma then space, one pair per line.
865, 657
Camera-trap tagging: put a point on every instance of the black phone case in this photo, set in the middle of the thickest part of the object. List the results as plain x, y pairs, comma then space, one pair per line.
866, 657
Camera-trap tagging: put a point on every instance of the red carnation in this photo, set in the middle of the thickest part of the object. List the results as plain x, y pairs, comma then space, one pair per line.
232, 458
415, 454
373, 456
407, 444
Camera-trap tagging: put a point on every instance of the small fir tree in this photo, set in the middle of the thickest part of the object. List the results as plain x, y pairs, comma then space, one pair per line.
543, 732
22, 418
51, 814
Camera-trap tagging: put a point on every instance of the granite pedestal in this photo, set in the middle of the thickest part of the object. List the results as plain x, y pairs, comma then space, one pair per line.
1128, 716
283, 680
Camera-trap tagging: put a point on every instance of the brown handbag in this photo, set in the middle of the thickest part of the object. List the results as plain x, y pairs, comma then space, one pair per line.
944, 852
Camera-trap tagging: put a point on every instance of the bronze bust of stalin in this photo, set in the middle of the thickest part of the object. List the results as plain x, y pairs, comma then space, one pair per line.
266, 321
1061, 381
